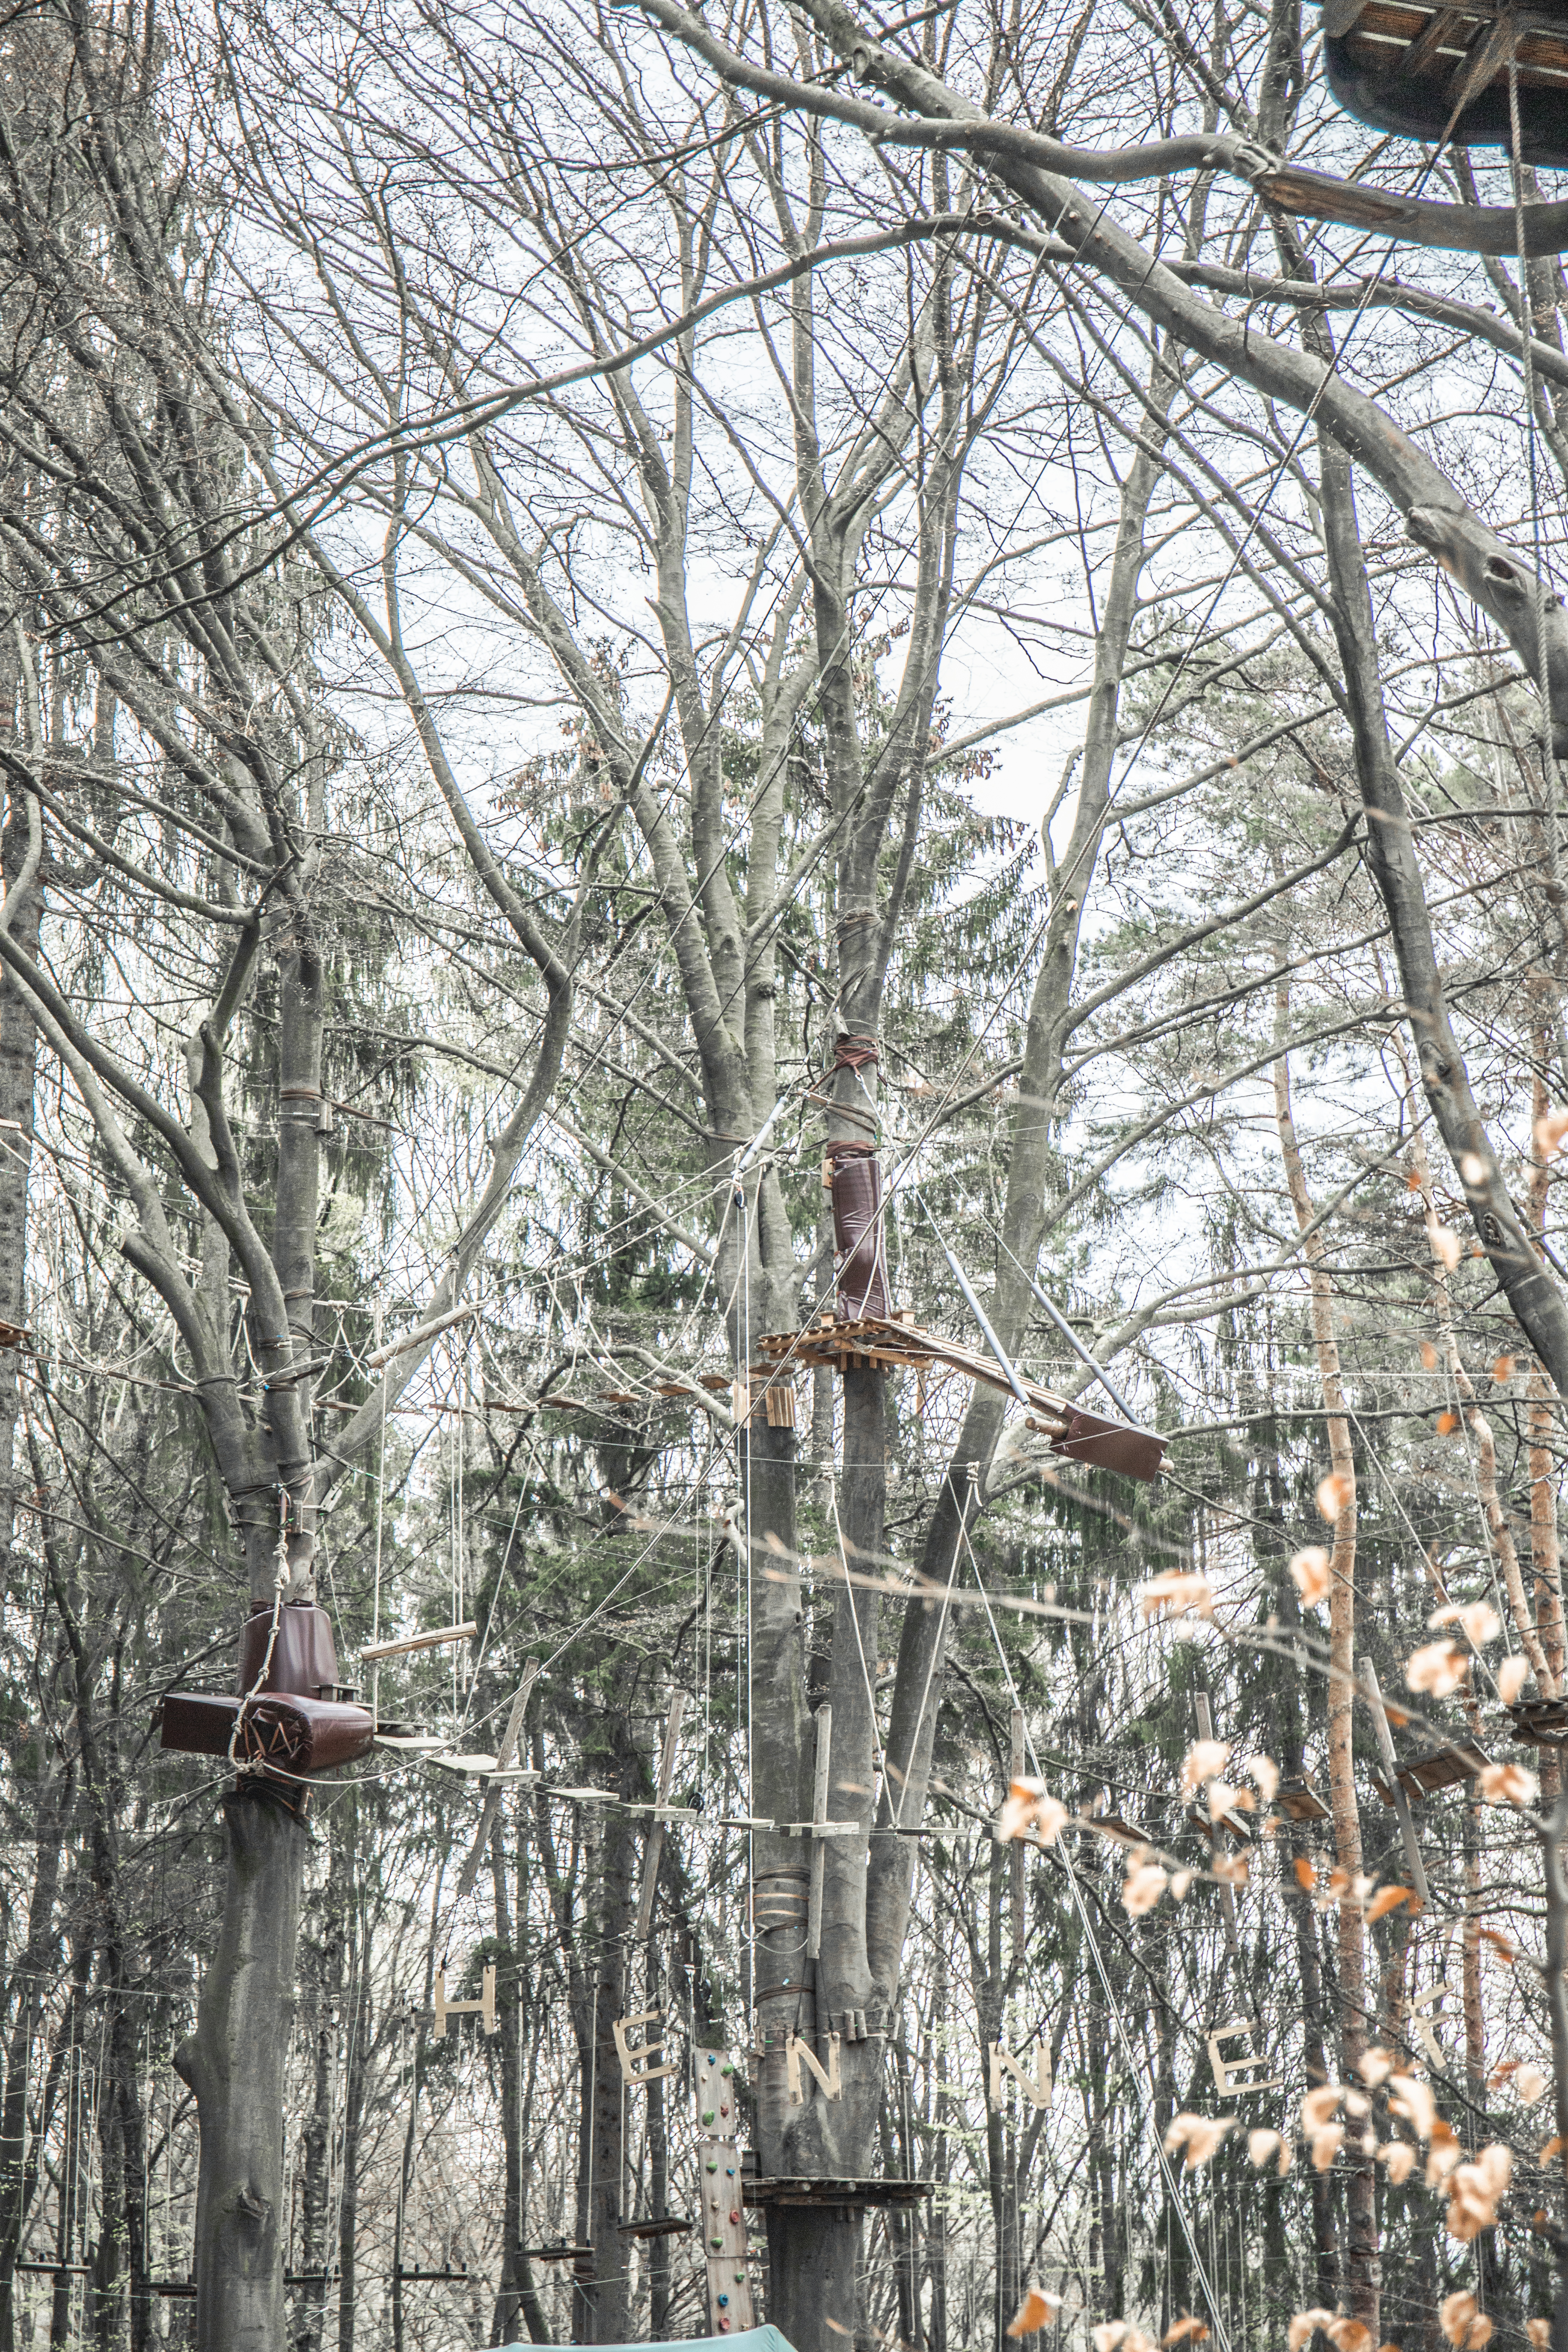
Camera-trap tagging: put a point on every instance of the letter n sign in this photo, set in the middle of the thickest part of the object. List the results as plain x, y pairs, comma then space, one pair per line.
1038, 2092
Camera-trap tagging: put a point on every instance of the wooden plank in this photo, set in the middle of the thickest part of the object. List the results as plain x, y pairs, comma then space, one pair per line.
1491, 53
655, 1846
819, 1845
374, 1650
1441, 31
504, 1755
1015, 1859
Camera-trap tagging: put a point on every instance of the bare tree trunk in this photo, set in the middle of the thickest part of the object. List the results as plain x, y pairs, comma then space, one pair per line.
1363, 2267
18, 2157
233, 2062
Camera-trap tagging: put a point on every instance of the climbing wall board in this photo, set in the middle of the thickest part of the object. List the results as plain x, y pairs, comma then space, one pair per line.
721, 2208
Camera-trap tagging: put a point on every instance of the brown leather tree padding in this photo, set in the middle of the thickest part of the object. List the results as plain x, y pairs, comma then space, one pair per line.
294, 1734
304, 1656
858, 1231
1110, 1445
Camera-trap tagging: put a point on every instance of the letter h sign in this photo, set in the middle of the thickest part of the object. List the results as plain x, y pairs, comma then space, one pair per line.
484, 2008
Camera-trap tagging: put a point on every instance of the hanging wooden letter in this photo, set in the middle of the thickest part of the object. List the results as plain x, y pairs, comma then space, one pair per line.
634, 2063
1429, 2042
1234, 2076
1038, 2092
796, 2050
484, 2008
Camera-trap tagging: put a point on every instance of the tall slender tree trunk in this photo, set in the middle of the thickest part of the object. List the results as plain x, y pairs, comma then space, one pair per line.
21, 911
1363, 2264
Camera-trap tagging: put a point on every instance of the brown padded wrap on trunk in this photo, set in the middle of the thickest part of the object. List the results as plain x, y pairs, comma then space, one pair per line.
304, 1656
296, 1735
858, 1231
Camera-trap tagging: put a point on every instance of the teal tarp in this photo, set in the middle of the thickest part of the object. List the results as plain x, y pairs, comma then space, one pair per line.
750, 2339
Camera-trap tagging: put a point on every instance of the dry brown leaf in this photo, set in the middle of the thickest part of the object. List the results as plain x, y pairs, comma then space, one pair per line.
1511, 1677
1550, 1129
1231, 1869
1387, 1899
1538, 2331
1181, 1885
1189, 2329
1336, 1493
1528, 2084
1027, 1811
1203, 1760
1142, 1889
1108, 2336
1375, 2065
1397, 2158
1428, 1352
1438, 1667
1177, 1595
1038, 2310
1304, 2324
1502, 1368
1310, 1575
1198, 2136
1319, 2106
1508, 1784
1326, 2146
1456, 2316
1410, 2098
1018, 1808
1448, 1423
1263, 1773
1348, 2336
1477, 1620
1446, 1247
1549, 2149
1305, 1874
1500, 1944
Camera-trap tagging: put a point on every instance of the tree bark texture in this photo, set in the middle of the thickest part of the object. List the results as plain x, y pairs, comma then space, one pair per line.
233, 2062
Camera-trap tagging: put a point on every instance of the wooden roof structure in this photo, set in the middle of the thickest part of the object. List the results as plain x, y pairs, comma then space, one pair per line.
1437, 73
897, 1344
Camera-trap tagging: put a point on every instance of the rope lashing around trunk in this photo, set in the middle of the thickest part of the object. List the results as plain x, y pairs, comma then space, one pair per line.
854, 1050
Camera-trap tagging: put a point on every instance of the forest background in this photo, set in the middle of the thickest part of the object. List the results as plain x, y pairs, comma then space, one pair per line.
461, 784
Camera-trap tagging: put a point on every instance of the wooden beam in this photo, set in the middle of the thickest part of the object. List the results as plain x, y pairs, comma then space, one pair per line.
655, 1846
1490, 52
504, 1755
1015, 1859
818, 1845
1401, 1801
375, 1651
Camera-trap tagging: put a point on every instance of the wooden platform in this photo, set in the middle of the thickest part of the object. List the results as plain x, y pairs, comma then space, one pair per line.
1540, 1722
841, 2193
872, 1343
1411, 69
1459, 1760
